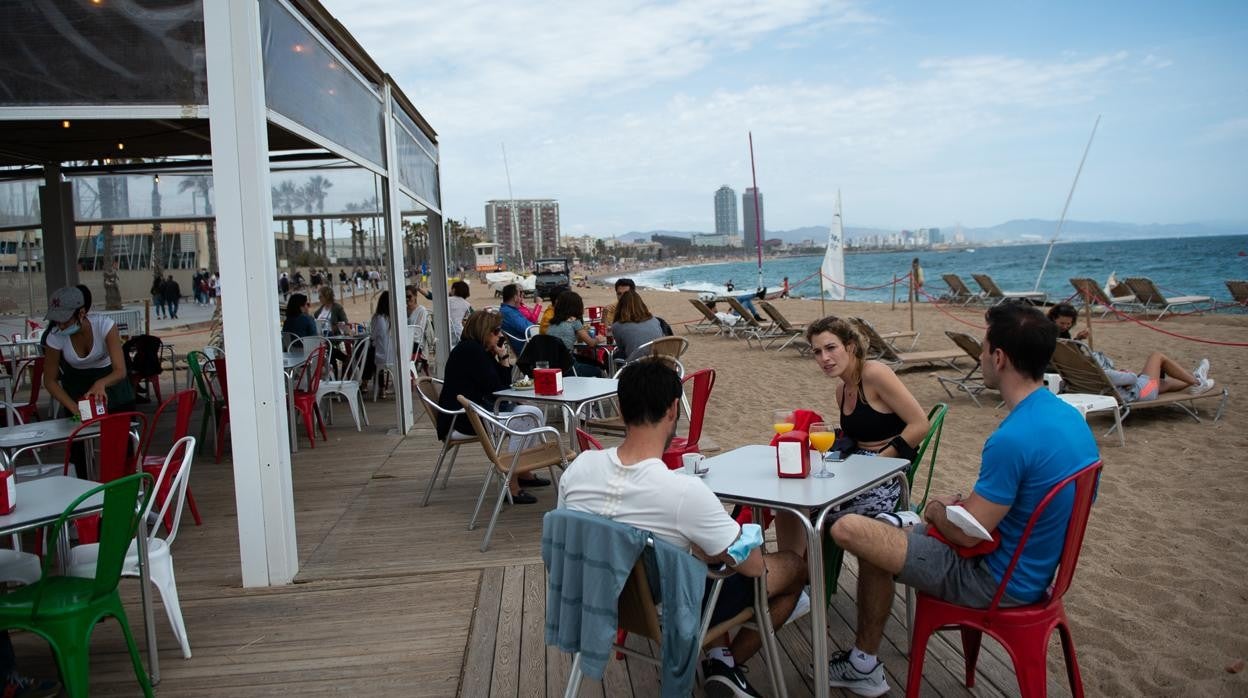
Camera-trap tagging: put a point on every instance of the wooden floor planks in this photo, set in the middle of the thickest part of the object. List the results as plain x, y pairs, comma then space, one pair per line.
396, 599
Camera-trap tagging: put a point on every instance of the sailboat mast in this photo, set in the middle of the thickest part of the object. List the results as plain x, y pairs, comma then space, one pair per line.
758, 215
1069, 195
515, 215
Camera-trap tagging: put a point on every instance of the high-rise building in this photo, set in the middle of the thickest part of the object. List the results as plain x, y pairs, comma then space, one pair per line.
530, 231
753, 225
725, 211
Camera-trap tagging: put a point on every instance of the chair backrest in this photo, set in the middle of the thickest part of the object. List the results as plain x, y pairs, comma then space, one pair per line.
876, 346
1090, 291
703, 383
124, 501
705, 310
545, 348
218, 381
288, 338
990, 287
115, 458
430, 392
33, 370
355, 365
196, 360
176, 471
211, 351
957, 285
478, 416
935, 424
532, 331
1145, 290
586, 441
746, 316
308, 374
1085, 483
307, 345
973, 347
185, 404
143, 354
776, 316
1080, 372
1239, 291
671, 347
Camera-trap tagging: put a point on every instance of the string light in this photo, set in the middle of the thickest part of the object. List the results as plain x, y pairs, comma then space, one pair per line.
298, 48
65, 124
121, 146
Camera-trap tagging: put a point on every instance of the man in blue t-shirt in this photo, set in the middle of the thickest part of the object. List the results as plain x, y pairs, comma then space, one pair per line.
1040, 442
515, 324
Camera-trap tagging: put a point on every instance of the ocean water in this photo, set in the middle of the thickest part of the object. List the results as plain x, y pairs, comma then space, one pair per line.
1178, 266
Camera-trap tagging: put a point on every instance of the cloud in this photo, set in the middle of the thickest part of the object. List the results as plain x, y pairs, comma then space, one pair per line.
1224, 131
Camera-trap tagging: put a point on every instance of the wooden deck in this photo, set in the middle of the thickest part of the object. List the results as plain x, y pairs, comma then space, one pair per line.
395, 599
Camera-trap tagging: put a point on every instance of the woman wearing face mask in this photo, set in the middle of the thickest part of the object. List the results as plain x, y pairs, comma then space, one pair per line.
91, 348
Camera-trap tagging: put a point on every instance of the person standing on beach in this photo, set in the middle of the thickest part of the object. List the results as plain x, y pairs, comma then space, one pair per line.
1017, 470
784, 291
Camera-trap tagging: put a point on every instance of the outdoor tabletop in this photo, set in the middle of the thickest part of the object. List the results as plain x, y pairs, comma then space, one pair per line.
40, 501
45, 432
576, 389
748, 475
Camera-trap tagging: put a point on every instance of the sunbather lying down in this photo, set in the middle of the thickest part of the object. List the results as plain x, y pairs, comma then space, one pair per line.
1160, 374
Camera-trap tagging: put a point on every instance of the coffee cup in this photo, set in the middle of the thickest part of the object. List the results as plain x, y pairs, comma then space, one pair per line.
1053, 381
694, 464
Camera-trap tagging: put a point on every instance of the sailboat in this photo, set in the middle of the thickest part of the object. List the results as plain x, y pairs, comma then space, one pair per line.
832, 272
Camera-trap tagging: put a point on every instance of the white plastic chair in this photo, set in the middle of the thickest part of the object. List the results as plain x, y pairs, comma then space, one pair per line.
532, 331
17, 567
82, 558
349, 387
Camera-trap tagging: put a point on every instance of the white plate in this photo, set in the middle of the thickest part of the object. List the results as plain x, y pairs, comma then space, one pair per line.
962, 518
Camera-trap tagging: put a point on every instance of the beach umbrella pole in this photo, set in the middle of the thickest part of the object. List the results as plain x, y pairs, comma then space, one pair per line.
913, 295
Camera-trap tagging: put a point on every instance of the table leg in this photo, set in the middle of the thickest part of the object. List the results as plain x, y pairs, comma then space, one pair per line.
818, 609
145, 593
290, 413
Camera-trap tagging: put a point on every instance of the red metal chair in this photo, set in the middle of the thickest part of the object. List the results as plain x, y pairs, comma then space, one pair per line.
1024, 631
219, 392
143, 362
185, 404
586, 442
703, 382
32, 370
307, 382
116, 456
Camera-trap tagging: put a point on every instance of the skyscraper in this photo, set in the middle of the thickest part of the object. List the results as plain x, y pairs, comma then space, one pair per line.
753, 224
536, 221
725, 211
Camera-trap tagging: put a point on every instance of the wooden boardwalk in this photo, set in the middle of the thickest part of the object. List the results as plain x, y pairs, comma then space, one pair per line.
396, 600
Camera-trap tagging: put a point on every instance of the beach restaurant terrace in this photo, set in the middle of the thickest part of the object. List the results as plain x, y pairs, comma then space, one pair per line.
238, 91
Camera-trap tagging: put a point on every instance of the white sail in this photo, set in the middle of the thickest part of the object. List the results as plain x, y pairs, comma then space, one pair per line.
833, 269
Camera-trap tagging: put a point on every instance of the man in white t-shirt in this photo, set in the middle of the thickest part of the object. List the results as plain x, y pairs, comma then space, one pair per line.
630, 484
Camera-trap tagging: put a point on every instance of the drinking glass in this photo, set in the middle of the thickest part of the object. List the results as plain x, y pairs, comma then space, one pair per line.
782, 421
541, 364
822, 436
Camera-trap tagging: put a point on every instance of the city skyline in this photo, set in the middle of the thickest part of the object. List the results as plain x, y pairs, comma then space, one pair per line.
976, 112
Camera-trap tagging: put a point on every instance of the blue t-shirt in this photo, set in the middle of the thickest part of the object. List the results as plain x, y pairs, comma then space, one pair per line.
1041, 442
514, 324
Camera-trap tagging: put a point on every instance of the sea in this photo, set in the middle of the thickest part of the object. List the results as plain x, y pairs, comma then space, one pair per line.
1179, 266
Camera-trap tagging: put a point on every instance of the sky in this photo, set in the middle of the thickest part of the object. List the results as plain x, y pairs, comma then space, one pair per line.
632, 113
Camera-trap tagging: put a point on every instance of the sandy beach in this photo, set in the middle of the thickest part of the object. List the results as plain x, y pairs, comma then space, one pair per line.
1158, 602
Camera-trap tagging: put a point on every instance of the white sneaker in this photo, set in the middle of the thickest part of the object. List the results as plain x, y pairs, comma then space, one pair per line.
802, 607
1202, 386
842, 674
1202, 371
901, 519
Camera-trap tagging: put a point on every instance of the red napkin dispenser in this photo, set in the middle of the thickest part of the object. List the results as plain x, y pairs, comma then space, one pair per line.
8, 492
547, 381
595, 313
793, 454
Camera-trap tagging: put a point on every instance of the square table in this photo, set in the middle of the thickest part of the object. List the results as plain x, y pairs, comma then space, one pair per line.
577, 392
24, 437
747, 475
41, 501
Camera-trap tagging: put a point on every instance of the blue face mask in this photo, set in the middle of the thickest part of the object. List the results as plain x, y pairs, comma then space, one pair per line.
69, 330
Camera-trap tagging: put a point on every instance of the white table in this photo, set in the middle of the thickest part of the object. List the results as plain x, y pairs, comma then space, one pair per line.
41, 501
1087, 403
577, 393
747, 475
24, 437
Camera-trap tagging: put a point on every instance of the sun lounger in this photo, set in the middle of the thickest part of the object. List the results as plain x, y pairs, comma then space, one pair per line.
996, 295
959, 292
748, 326
1090, 292
880, 349
792, 335
1151, 298
709, 322
1081, 374
971, 382
1239, 293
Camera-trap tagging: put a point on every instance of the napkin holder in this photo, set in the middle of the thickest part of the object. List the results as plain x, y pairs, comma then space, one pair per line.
8, 492
547, 381
595, 313
91, 407
793, 454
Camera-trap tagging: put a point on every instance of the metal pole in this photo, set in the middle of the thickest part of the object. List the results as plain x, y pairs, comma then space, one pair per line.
758, 214
913, 294
823, 310
1069, 196
893, 303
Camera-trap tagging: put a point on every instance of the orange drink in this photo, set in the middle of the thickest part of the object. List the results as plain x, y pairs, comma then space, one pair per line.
782, 427
782, 421
821, 441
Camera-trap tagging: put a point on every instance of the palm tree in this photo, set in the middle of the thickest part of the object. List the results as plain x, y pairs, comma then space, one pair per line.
370, 205
354, 222
200, 185
314, 192
110, 192
286, 198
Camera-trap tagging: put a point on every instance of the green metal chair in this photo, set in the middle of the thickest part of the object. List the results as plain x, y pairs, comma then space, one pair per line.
833, 556
65, 610
212, 402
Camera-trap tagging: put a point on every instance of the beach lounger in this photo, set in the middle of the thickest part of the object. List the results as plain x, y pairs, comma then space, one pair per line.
996, 295
1239, 293
959, 292
790, 334
709, 322
971, 382
748, 326
1081, 374
880, 349
1090, 292
1151, 298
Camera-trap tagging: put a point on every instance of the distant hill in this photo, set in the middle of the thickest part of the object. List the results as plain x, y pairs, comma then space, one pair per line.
1009, 230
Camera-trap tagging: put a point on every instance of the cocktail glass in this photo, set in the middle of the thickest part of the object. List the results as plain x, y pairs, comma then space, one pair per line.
782, 421
822, 436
